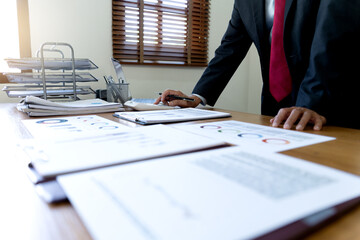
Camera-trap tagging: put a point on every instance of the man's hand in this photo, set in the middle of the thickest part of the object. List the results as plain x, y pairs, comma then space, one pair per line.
174, 102
301, 115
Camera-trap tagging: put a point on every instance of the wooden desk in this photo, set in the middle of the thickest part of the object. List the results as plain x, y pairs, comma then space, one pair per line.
23, 215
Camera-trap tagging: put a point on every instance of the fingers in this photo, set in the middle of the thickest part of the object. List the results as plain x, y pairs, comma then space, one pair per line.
319, 122
162, 97
295, 114
158, 100
176, 102
280, 117
306, 117
170, 92
301, 115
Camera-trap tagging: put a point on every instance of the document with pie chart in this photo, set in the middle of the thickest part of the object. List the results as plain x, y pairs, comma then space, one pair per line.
254, 136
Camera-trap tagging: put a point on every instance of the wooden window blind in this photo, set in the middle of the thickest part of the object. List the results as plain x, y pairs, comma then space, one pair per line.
161, 32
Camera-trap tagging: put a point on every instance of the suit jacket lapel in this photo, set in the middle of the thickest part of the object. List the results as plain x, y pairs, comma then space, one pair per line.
287, 9
258, 9
262, 40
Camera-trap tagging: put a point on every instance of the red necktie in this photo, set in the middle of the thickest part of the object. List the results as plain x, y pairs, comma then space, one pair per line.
279, 77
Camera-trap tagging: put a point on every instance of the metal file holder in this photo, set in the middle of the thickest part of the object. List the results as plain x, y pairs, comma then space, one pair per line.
62, 85
42, 49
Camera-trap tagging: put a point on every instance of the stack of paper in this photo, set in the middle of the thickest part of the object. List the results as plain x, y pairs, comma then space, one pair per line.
35, 106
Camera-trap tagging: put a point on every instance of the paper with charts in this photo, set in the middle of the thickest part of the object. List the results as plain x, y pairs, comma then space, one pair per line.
53, 156
223, 194
254, 136
70, 126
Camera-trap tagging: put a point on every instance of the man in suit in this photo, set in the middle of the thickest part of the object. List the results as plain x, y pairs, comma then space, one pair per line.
321, 45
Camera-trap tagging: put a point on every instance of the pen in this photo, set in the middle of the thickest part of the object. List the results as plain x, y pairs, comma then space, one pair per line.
179, 98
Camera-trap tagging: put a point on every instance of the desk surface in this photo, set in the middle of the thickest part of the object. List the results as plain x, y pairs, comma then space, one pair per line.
23, 215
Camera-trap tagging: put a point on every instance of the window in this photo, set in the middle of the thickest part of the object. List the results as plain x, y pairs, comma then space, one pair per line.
15, 40
161, 32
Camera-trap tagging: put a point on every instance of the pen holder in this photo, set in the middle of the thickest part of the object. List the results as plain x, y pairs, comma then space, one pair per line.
118, 92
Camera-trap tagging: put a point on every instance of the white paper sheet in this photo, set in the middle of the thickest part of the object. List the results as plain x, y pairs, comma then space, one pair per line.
253, 136
54, 156
166, 116
219, 194
71, 126
50, 63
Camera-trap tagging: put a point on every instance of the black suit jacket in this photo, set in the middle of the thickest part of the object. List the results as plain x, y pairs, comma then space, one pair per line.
322, 48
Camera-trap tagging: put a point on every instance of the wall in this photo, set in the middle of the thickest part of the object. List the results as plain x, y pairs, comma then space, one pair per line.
86, 25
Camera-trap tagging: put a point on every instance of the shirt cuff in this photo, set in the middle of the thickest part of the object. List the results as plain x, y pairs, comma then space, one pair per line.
203, 100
